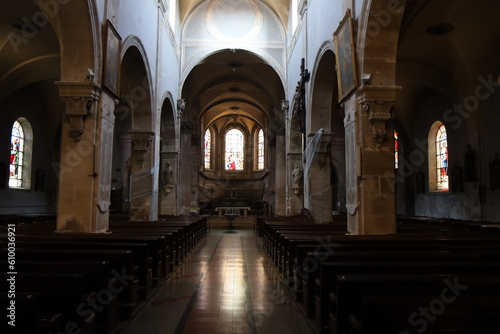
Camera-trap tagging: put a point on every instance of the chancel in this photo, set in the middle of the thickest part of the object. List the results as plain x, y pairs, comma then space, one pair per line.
250, 166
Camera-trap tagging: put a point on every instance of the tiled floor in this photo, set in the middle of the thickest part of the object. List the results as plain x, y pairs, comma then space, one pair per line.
226, 286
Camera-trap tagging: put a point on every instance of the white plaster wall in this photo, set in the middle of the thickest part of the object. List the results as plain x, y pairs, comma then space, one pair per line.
139, 18
319, 23
100, 4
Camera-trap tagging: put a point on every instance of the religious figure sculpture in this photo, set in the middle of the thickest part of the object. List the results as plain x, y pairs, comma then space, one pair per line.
297, 177
168, 177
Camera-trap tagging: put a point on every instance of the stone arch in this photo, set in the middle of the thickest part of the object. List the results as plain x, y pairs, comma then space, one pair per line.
137, 95
169, 158
76, 23
135, 84
323, 90
204, 54
377, 40
260, 23
318, 185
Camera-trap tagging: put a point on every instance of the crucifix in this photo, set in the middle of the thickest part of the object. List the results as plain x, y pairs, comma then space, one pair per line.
299, 103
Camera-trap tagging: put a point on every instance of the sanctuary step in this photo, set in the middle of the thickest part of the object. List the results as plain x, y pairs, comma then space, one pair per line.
240, 222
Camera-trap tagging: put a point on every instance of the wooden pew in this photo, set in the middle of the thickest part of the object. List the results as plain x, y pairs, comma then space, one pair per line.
27, 313
120, 263
352, 289
326, 286
400, 314
97, 285
59, 298
141, 258
157, 246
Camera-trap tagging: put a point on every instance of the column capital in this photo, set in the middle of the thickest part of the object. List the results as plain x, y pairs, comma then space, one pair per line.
79, 98
377, 102
141, 143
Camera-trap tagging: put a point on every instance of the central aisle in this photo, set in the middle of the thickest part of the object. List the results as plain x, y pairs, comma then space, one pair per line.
227, 285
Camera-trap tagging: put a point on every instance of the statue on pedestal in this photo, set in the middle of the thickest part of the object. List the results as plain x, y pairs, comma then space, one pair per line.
297, 178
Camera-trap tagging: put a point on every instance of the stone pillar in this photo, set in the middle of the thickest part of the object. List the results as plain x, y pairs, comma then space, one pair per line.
185, 193
86, 158
370, 161
280, 176
319, 182
125, 146
141, 176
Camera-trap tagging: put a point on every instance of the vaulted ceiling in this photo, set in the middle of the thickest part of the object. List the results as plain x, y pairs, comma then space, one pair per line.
234, 85
29, 52
280, 7
444, 46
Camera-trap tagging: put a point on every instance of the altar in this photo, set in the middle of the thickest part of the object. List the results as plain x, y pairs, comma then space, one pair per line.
222, 209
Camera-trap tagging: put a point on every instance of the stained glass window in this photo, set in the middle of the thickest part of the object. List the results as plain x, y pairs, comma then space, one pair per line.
442, 158
16, 156
260, 150
234, 150
208, 149
396, 149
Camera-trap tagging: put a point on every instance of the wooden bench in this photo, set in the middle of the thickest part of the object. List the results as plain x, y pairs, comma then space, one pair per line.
157, 246
59, 298
392, 314
351, 289
27, 313
326, 285
120, 263
96, 284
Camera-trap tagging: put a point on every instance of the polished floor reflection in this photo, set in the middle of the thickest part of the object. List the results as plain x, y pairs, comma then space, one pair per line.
226, 286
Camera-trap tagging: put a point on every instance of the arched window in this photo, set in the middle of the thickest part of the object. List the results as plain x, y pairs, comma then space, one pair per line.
260, 150
396, 149
441, 158
234, 157
438, 158
208, 149
21, 141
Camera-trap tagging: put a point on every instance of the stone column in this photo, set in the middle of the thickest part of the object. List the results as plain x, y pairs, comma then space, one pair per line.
141, 176
319, 183
125, 146
280, 176
185, 189
370, 161
86, 158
